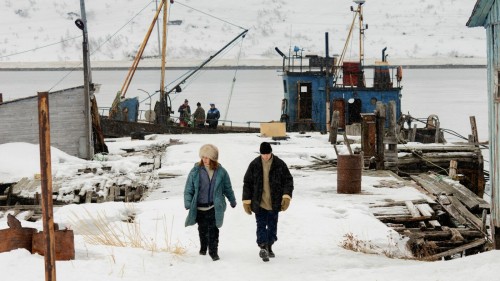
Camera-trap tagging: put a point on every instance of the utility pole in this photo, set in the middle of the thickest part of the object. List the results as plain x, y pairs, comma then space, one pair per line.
87, 81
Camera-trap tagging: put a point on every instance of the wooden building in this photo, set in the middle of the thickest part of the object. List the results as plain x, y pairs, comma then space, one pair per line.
70, 123
486, 13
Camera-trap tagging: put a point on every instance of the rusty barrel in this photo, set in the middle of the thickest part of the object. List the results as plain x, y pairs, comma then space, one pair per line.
349, 169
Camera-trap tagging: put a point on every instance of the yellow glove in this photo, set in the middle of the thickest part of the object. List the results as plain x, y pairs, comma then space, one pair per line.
248, 208
285, 202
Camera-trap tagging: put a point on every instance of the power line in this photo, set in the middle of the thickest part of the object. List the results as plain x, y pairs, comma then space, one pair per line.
38, 48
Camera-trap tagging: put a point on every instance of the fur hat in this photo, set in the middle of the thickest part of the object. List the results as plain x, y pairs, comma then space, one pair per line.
265, 148
210, 151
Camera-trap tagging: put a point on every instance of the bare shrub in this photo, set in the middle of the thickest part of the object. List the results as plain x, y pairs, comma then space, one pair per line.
97, 230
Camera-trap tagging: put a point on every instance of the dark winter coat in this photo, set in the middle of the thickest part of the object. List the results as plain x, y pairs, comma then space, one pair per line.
213, 116
222, 188
280, 182
199, 116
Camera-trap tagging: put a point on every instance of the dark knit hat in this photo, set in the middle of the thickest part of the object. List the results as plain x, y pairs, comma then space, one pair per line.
265, 148
198, 104
210, 151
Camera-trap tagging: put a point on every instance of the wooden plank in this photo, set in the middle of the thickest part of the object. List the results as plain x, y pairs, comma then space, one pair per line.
400, 203
450, 208
21, 207
466, 197
464, 212
426, 184
402, 219
435, 224
457, 250
445, 234
425, 210
412, 209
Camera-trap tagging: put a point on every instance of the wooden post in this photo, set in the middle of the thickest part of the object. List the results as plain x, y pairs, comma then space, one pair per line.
1, 97
380, 113
334, 126
391, 154
474, 129
436, 136
46, 182
413, 133
348, 144
453, 169
368, 135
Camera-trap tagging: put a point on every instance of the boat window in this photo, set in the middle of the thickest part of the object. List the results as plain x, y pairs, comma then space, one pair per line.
284, 86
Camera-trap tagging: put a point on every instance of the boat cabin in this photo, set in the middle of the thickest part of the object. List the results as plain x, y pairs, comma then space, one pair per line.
314, 87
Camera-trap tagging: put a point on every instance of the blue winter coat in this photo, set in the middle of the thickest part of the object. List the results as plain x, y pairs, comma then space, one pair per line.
222, 188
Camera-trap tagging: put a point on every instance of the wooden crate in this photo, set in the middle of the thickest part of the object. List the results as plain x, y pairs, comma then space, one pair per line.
273, 129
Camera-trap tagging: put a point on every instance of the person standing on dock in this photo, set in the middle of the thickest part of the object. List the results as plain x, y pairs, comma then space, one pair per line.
184, 114
213, 116
267, 190
199, 116
207, 185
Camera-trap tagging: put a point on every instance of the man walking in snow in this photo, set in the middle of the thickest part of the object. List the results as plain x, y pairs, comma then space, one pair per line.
267, 190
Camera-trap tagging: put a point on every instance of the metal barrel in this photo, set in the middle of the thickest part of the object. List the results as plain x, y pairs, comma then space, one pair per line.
349, 169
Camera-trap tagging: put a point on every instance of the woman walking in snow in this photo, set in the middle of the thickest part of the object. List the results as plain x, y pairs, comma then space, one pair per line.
206, 186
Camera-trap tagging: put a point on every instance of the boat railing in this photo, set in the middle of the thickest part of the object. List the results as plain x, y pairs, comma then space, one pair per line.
104, 111
349, 74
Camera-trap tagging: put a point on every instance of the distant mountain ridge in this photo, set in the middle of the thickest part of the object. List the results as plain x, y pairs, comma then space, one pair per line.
424, 31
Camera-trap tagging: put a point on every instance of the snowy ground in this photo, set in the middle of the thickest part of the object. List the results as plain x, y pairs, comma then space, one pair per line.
310, 231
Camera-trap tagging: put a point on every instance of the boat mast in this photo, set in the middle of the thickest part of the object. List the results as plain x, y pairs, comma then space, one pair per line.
361, 31
132, 69
164, 112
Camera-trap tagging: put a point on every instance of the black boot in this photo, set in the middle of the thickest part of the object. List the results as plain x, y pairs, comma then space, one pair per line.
263, 253
270, 251
214, 255
203, 249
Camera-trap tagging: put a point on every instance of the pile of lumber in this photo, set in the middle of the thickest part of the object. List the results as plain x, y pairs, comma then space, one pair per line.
452, 222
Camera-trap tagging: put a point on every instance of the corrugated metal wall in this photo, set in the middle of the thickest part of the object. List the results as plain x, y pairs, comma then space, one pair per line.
19, 121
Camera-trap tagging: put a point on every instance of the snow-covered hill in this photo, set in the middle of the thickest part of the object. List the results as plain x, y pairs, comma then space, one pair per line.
422, 30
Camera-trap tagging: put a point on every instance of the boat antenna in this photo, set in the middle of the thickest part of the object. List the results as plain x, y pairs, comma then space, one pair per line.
357, 13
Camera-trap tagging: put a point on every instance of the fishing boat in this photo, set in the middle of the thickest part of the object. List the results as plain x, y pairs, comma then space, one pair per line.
332, 95
123, 118
315, 87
